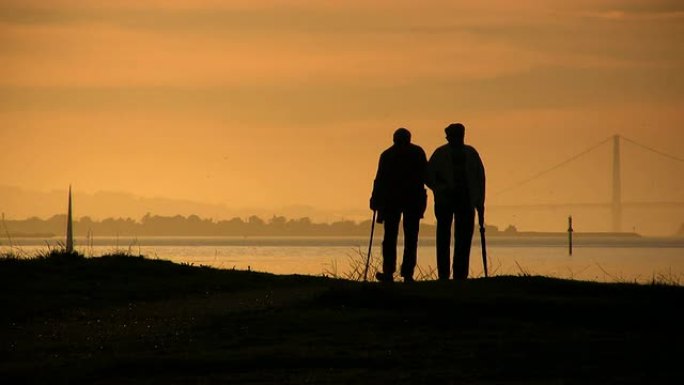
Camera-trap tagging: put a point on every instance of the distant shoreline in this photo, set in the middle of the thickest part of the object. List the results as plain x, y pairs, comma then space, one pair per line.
565, 234
29, 235
254, 226
530, 239
525, 234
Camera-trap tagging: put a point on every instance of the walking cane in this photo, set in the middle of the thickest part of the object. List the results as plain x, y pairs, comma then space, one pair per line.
483, 241
370, 245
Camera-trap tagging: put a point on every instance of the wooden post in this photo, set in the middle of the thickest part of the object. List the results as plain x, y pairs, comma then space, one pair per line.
570, 231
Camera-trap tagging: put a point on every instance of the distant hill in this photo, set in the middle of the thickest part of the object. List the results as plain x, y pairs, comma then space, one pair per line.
19, 203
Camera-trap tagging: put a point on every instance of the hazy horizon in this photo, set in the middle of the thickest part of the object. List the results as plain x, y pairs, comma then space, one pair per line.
287, 104
19, 204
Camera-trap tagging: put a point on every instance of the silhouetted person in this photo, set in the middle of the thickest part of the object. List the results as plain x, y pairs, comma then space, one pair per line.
399, 190
457, 178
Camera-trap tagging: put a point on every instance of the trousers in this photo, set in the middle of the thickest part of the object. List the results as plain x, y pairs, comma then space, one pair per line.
411, 226
462, 215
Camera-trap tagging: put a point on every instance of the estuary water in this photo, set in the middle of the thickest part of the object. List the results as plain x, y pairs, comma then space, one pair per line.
605, 259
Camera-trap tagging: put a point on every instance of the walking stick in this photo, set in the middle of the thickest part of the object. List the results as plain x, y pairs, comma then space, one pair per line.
483, 241
370, 245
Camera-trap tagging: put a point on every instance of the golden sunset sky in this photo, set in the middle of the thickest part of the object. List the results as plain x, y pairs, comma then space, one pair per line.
276, 103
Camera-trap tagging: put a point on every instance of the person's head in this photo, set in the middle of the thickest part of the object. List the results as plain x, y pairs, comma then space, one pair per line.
455, 133
402, 136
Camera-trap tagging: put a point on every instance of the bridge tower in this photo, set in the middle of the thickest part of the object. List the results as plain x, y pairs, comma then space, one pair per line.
617, 186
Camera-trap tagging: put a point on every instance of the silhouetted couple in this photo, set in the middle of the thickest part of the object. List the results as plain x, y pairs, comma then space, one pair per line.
456, 176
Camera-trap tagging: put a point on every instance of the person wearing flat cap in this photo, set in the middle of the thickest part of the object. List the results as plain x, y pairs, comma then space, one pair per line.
456, 177
398, 190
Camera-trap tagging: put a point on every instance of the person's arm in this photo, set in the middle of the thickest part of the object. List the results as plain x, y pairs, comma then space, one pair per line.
431, 172
377, 195
424, 177
423, 166
481, 178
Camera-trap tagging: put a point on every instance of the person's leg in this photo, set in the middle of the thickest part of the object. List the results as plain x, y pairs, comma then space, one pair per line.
411, 228
445, 216
463, 237
389, 243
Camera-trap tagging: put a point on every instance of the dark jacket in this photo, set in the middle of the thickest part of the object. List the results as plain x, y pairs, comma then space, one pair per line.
399, 182
442, 181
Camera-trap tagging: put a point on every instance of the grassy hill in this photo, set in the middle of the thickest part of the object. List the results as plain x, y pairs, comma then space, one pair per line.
122, 319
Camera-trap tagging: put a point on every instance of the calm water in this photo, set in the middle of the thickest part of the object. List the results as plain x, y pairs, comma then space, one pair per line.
599, 259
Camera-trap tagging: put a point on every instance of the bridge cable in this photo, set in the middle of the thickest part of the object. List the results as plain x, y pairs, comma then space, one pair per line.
653, 150
548, 170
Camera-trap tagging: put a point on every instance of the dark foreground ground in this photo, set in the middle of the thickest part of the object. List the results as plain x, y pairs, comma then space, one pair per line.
121, 320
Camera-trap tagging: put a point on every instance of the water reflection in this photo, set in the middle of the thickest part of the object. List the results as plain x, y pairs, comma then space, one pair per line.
642, 260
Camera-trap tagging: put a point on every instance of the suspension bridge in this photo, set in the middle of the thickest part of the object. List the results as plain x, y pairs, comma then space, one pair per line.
616, 205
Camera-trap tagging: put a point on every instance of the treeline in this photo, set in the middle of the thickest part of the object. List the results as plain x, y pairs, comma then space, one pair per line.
193, 225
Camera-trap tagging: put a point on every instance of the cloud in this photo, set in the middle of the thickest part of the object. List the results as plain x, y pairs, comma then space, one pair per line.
621, 15
201, 47
252, 54
310, 105
627, 10
103, 55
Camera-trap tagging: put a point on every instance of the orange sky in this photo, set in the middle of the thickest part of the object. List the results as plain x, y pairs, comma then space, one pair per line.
269, 104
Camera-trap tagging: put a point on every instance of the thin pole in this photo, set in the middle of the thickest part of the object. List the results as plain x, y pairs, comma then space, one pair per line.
483, 242
370, 246
70, 230
570, 231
